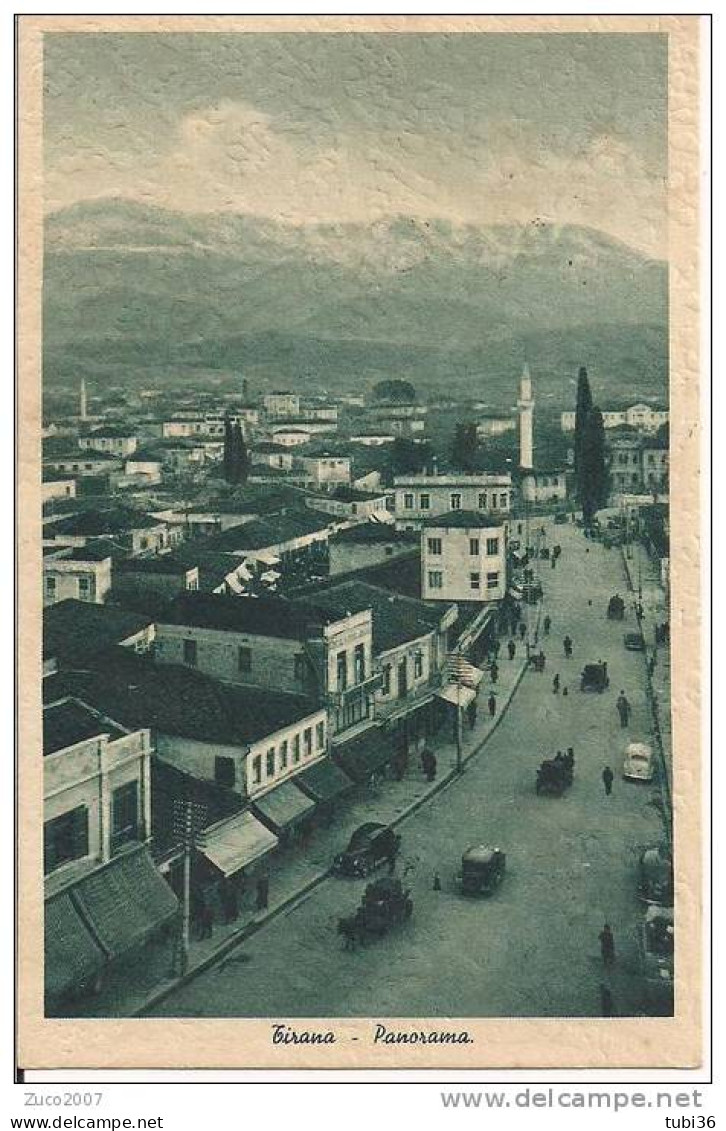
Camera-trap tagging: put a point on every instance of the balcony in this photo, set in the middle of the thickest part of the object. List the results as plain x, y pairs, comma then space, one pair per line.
366, 686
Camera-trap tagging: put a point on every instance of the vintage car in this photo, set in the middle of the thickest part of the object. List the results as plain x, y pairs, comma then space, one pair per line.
655, 875
657, 947
616, 607
638, 764
594, 677
482, 870
554, 776
560, 518
385, 904
370, 846
634, 642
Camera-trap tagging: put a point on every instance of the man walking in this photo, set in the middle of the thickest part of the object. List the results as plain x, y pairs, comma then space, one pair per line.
623, 707
546, 625
511, 649
567, 645
607, 779
263, 892
607, 945
494, 672
522, 630
556, 685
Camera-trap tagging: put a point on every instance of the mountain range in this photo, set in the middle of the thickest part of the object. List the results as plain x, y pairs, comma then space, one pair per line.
138, 293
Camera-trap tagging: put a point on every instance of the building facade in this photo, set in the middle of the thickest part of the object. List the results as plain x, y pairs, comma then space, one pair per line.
420, 497
464, 558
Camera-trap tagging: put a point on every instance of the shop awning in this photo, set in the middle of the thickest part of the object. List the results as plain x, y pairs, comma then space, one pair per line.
266, 557
236, 842
324, 781
125, 901
283, 807
458, 695
363, 755
462, 671
73, 958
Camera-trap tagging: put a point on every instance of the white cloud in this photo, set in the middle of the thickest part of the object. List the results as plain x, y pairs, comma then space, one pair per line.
231, 156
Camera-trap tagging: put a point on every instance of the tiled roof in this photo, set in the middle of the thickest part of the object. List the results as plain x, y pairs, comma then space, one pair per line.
272, 530
261, 616
396, 618
69, 721
178, 701
76, 631
118, 520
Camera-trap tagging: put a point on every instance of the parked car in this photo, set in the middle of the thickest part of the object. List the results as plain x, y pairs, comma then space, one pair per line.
594, 677
639, 764
370, 846
482, 870
634, 642
657, 940
560, 518
655, 875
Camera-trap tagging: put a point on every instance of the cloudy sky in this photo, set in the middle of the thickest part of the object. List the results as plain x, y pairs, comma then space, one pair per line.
484, 129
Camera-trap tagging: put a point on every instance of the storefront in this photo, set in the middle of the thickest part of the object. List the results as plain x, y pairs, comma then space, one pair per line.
286, 811
366, 755
325, 783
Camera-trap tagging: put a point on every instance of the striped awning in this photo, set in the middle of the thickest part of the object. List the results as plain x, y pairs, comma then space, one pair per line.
324, 781
457, 694
73, 958
283, 807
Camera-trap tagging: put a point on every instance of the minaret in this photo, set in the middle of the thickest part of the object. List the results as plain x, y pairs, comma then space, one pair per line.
84, 400
525, 404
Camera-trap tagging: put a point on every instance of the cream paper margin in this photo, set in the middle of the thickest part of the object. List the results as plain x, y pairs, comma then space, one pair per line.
537, 1044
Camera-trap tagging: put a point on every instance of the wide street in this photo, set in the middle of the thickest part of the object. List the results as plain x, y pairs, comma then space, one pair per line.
532, 949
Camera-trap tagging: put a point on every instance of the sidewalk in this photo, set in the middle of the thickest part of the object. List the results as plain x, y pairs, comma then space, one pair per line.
296, 871
641, 571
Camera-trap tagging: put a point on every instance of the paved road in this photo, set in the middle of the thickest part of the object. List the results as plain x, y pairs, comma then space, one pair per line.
531, 950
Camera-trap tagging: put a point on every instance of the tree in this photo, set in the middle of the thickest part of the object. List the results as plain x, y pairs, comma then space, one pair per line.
228, 452
593, 476
235, 460
242, 456
582, 411
395, 390
408, 457
465, 448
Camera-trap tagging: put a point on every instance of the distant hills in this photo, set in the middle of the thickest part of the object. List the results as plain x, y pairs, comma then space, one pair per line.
137, 293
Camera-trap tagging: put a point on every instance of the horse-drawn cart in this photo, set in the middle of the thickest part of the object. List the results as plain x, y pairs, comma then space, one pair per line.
385, 904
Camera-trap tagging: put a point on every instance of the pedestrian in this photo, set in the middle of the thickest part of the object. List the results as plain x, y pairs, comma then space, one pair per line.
606, 1001
392, 864
546, 625
511, 649
567, 645
229, 899
553, 561
564, 692
430, 767
437, 881
607, 945
607, 779
541, 661
494, 672
471, 714
623, 707
495, 649
492, 703
263, 892
651, 666
556, 685
206, 921
522, 630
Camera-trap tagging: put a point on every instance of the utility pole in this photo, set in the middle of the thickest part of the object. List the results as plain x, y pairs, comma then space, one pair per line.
189, 818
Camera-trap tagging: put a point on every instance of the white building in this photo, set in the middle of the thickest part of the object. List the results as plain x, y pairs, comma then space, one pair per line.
495, 426
326, 469
115, 440
282, 404
641, 416
420, 497
463, 558
82, 574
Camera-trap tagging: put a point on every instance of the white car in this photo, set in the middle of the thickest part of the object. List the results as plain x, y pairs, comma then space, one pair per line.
638, 764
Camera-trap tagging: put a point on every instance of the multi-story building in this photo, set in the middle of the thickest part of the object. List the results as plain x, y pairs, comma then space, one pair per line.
647, 418
626, 465
420, 497
114, 439
83, 573
57, 485
495, 426
97, 822
281, 404
463, 558
655, 463
367, 544
137, 532
324, 467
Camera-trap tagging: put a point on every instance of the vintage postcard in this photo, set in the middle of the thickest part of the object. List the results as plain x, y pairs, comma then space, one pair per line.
359, 530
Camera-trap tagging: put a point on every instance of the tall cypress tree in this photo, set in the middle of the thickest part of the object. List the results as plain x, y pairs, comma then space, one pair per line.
228, 451
242, 458
593, 469
582, 411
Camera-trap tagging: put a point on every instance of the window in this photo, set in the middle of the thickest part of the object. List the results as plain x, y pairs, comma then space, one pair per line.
555, 481
144, 543
190, 653
257, 769
474, 547
342, 668
124, 815
434, 545
492, 546
308, 741
65, 838
503, 500
359, 663
494, 501
270, 762
482, 500
425, 502
456, 502
475, 580
299, 667
436, 579
283, 754
224, 772
408, 502
386, 686
88, 466
296, 748
492, 580
418, 668
319, 736
50, 586
244, 659
388, 551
